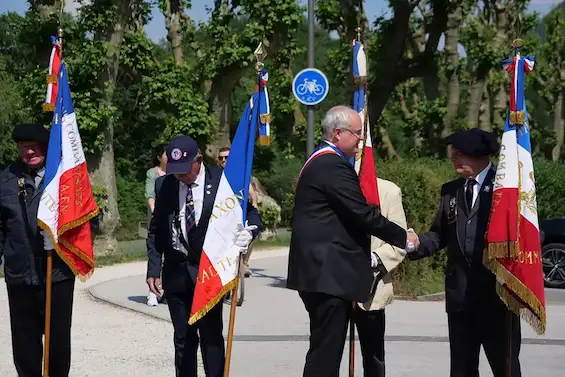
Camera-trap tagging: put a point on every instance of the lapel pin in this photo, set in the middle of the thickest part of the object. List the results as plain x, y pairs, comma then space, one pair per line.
208, 192
487, 188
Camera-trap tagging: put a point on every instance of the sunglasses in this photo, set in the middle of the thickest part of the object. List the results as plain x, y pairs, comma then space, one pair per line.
222, 157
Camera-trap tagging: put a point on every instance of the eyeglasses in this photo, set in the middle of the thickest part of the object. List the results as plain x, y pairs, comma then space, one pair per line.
358, 134
222, 157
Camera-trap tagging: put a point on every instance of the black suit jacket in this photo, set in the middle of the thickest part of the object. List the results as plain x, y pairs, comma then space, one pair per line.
467, 282
331, 228
159, 238
21, 243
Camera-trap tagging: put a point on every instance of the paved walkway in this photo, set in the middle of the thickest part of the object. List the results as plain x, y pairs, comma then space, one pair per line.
271, 332
116, 334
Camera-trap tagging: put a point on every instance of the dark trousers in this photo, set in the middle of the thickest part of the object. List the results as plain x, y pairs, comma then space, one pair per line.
27, 320
371, 330
486, 326
329, 318
207, 331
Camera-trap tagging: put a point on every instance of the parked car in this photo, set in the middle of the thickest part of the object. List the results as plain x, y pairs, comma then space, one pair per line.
552, 233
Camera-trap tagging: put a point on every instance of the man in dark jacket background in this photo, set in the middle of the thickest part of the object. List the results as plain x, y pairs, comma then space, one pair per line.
25, 261
184, 206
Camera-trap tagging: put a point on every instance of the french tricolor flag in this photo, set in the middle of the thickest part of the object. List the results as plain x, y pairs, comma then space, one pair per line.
513, 251
67, 203
219, 261
364, 161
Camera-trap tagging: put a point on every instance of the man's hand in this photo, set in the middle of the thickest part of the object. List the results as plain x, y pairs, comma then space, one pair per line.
47, 242
243, 237
413, 241
154, 285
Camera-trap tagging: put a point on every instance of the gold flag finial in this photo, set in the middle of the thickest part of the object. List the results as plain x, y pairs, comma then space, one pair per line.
260, 55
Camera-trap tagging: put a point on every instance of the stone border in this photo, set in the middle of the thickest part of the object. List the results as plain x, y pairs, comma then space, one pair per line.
440, 296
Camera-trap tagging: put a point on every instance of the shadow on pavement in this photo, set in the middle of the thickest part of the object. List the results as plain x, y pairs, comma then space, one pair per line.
276, 281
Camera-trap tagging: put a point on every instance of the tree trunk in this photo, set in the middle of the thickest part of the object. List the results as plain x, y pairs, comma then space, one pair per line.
500, 107
46, 9
484, 113
392, 51
501, 20
475, 95
387, 144
102, 165
454, 20
173, 12
558, 127
221, 105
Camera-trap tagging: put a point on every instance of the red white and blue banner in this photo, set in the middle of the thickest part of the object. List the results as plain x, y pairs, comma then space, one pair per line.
67, 203
364, 160
513, 238
52, 85
219, 261
265, 111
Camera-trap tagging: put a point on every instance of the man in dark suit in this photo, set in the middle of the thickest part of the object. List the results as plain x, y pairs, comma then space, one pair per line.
330, 258
476, 316
177, 230
23, 246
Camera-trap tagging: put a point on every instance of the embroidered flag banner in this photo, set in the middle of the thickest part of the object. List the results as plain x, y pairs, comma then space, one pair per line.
265, 111
52, 85
513, 250
219, 260
364, 161
67, 203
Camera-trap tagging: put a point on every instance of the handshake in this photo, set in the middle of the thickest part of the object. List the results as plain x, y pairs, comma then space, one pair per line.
412, 241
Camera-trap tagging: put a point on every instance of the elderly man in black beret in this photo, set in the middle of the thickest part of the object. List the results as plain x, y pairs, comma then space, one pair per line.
25, 261
476, 316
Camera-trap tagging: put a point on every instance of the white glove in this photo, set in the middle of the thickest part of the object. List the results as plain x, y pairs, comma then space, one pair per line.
375, 260
243, 237
47, 242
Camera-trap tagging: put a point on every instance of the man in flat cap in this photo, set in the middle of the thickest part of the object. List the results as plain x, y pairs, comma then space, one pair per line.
177, 230
475, 314
25, 261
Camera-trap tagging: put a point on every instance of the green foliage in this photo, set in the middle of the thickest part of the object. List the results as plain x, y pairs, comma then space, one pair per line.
270, 216
132, 206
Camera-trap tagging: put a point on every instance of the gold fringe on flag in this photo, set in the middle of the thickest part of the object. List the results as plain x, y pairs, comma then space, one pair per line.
522, 295
265, 118
51, 79
360, 82
517, 117
264, 140
79, 253
48, 107
202, 312
502, 250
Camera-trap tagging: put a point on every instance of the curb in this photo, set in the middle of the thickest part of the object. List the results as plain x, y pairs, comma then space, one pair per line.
440, 296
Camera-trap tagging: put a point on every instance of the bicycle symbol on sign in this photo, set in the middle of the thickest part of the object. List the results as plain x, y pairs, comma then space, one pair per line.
310, 86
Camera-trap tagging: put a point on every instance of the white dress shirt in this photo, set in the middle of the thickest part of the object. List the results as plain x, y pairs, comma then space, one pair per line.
198, 199
480, 178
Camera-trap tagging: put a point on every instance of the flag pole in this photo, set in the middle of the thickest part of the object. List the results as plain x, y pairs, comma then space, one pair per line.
260, 56
49, 278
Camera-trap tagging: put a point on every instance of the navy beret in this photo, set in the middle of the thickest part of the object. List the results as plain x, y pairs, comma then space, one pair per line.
31, 132
474, 142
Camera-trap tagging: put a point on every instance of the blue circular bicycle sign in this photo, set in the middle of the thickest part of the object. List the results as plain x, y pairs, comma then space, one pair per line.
310, 86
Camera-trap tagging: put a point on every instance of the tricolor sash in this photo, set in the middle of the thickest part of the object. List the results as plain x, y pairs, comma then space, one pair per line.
322, 150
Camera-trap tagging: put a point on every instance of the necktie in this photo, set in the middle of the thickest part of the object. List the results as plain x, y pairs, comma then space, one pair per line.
189, 214
469, 193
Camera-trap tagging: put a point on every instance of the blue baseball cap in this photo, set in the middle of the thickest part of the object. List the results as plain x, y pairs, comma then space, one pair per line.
181, 152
